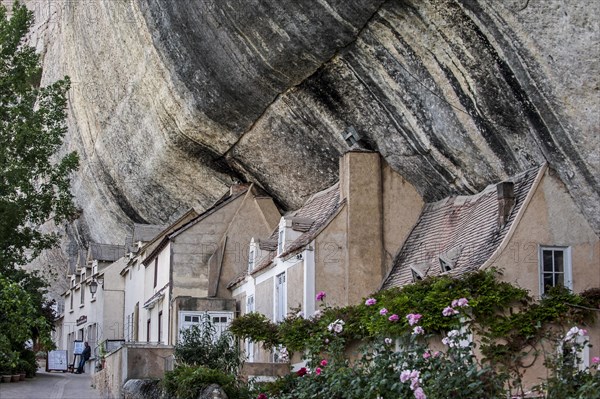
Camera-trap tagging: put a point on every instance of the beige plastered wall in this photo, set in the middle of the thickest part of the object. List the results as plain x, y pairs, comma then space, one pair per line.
330, 261
402, 206
551, 219
256, 217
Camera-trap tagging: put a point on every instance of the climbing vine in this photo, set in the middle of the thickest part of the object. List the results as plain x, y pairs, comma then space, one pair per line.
504, 316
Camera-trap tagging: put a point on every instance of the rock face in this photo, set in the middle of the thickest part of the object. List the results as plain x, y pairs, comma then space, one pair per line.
173, 100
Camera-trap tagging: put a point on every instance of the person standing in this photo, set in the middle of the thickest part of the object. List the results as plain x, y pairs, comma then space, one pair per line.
85, 356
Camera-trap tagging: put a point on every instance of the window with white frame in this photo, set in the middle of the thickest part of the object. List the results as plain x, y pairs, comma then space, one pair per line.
280, 241
280, 297
250, 343
251, 257
219, 320
577, 351
82, 294
555, 268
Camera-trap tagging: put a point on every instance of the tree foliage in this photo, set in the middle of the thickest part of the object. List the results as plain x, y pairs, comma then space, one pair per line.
34, 184
34, 181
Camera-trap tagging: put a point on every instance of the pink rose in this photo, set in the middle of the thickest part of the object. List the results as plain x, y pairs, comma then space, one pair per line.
418, 330
383, 311
323, 362
370, 301
449, 311
318, 370
321, 295
419, 394
393, 317
413, 318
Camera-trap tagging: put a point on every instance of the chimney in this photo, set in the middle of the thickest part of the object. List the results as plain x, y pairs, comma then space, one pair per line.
506, 201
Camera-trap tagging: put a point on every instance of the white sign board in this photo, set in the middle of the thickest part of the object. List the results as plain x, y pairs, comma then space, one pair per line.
57, 360
78, 347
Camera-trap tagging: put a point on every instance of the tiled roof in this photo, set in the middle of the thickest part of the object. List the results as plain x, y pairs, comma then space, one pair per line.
461, 231
106, 252
311, 218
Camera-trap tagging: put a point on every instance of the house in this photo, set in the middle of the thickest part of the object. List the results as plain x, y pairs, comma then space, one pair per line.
342, 242
186, 272
528, 227
139, 244
94, 301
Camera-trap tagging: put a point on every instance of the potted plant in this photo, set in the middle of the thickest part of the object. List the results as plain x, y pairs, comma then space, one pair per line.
22, 367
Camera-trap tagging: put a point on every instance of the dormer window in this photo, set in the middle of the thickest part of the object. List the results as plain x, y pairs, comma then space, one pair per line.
251, 257
448, 259
280, 241
415, 276
419, 271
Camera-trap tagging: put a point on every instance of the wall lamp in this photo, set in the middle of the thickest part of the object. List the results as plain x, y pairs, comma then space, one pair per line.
94, 285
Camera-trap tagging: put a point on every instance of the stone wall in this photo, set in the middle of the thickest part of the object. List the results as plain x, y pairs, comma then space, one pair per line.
132, 361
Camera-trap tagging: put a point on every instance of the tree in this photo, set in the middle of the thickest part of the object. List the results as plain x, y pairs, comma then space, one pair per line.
34, 181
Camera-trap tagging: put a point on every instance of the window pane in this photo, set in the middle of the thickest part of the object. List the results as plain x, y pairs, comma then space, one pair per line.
558, 261
548, 281
223, 319
559, 279
215, 320
188, 318
547, 261
196, 319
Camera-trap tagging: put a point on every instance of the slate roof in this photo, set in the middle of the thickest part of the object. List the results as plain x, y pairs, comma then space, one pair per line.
461, 230
106, 252
143, 233
310, 219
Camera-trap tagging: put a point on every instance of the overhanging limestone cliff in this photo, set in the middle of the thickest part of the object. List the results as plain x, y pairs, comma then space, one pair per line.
171, 100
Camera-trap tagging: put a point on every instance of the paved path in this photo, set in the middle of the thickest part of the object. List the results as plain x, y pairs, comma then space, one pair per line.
53, 385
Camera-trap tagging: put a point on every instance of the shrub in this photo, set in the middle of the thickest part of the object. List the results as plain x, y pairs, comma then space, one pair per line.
187, 382
201, 346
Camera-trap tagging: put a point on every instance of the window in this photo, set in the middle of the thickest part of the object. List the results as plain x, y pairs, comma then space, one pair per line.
280, 297
71, 295
555, 268
148, 330
250, 304
92, 335
250, 343
219, 320
82, 294
415, 276
280, 242
160, 316
155, 271
251, 260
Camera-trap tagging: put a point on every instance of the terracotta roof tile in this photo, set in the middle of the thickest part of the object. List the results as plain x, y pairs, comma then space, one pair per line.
463, 231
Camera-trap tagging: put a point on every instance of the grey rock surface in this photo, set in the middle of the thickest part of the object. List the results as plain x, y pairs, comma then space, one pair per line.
142, 389
213, 391
173, 100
